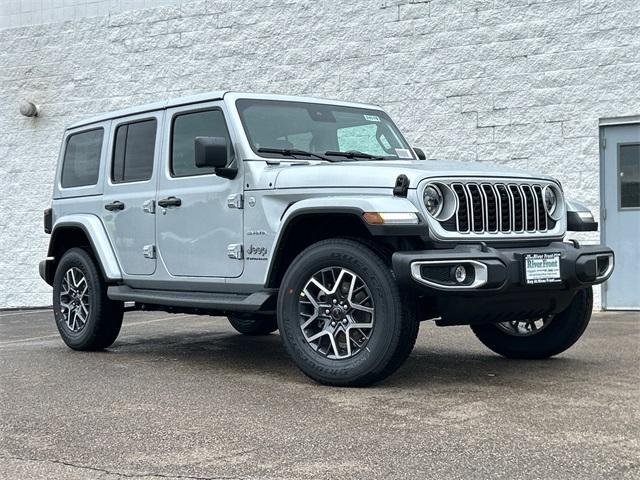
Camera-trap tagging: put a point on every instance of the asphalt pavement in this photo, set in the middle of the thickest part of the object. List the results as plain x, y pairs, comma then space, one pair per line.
186, 397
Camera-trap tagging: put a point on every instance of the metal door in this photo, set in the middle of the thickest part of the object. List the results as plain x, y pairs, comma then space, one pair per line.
128, 198
620, 170
199, 232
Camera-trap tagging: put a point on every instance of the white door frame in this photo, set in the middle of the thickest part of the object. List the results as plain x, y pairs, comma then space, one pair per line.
608, 122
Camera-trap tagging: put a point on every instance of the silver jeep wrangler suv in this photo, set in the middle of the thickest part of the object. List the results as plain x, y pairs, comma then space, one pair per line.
315, 218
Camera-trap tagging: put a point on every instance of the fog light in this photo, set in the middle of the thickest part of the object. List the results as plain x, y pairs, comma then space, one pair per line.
460, 273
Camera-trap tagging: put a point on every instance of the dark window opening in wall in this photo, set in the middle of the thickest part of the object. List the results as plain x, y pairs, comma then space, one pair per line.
629, 175
133, 152
81, 164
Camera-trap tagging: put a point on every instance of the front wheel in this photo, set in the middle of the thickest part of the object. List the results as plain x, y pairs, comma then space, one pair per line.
341, 315
539, 338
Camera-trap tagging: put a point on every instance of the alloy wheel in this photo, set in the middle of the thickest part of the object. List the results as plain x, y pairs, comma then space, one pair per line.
336, 313
525, 328
74, 299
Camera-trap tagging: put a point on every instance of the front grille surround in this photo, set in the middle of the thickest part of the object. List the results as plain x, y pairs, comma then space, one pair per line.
498, 208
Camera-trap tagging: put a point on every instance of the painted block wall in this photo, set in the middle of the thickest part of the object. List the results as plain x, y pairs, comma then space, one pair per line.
516, 82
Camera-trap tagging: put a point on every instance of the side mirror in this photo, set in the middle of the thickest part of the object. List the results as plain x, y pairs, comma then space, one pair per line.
212, 152
419, 153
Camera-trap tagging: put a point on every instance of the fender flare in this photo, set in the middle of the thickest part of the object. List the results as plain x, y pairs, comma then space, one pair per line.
94, 230
349, 205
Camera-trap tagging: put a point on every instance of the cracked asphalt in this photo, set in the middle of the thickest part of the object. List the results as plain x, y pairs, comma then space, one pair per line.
185, 397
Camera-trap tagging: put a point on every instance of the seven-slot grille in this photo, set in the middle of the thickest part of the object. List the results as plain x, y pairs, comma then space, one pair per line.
498, 208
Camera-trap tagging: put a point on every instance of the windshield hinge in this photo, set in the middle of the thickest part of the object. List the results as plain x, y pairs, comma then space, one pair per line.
402, 186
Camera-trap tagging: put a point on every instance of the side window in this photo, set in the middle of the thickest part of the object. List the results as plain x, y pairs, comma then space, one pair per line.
81, 163
186, 127
133, 151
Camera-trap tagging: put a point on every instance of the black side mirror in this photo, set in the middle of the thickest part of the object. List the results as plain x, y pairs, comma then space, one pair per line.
419, 153
213, 152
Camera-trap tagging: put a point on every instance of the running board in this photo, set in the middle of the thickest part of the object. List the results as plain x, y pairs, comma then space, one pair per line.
201, 300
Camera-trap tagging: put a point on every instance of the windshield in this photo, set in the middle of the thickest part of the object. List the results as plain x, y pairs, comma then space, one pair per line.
282, 128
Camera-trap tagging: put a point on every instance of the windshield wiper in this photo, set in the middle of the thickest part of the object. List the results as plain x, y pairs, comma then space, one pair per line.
353, 154
292, 152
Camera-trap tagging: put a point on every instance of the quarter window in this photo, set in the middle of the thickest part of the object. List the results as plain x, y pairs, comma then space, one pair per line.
81, 164
133, 152
188, 126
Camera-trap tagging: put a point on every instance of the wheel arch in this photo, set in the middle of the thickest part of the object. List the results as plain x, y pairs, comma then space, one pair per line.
85, 231
309, 221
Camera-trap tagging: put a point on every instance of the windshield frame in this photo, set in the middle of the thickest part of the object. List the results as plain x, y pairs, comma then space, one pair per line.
361, 109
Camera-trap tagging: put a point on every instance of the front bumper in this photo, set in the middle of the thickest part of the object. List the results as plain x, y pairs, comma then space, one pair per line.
500, 270
496, 288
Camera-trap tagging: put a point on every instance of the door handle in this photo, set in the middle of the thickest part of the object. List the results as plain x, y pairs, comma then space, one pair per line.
113, 206
169, 202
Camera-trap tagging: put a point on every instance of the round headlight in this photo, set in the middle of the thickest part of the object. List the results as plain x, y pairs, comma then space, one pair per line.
550, 200
433, 200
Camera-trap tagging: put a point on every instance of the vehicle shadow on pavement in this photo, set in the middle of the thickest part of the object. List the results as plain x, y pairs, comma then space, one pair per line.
229, 353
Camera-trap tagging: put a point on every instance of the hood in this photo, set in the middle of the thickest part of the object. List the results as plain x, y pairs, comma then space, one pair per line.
383, 173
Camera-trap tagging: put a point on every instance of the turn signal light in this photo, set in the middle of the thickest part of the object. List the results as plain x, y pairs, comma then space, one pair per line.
391, 218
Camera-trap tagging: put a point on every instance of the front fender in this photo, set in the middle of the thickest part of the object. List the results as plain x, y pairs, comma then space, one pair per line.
356, 206
93, 228
350, 205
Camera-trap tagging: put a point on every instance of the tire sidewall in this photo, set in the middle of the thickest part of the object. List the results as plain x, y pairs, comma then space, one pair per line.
564, 330
372, 271
253, 325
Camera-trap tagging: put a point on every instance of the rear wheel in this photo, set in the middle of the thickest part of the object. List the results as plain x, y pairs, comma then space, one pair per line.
539, 338
254, 325
85, 317
341, 315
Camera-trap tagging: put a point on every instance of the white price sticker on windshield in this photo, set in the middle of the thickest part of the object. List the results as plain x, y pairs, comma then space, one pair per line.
372, 118
403, 153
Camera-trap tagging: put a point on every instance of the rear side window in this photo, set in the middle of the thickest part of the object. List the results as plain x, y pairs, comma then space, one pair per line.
188, 126
81, 164
133, 152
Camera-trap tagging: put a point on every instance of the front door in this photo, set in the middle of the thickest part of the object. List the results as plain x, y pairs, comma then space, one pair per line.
198, 226
130, 190
621, 214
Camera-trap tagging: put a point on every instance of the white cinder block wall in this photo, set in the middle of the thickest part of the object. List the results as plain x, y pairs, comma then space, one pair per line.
517, 82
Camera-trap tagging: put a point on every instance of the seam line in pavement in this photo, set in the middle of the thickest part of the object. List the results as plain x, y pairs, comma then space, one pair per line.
44, 337
22, 312
114, 472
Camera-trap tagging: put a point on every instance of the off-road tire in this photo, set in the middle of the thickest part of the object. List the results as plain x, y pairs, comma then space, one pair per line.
564, 330
105, 316
395, 326
254, 325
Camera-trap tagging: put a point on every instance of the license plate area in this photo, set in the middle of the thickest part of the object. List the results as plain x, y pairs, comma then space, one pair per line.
540, 268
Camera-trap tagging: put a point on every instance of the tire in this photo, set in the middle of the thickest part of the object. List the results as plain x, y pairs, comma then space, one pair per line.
254, 325
561, 332
393, 327
102, 317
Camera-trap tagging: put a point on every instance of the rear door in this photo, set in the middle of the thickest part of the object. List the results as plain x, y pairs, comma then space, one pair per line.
197, 232
130, 190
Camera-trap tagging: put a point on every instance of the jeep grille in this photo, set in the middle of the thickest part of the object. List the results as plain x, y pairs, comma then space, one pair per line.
509, 207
